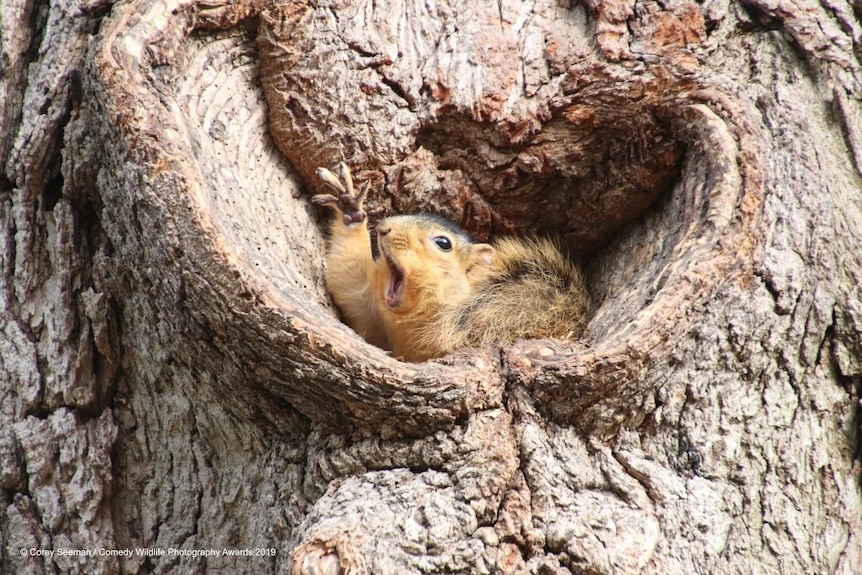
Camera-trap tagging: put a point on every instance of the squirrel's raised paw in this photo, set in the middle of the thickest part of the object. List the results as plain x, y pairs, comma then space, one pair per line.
348, 202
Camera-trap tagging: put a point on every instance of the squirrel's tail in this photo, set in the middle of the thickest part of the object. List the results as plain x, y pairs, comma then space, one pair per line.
535, 293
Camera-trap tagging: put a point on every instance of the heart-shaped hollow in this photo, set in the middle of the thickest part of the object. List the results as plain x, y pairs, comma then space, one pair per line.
215, 230
597, 164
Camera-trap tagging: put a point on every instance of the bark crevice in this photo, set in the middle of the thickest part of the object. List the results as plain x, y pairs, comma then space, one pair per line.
707, 420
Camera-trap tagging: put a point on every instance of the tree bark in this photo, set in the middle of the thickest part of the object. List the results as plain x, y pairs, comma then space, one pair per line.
174, 378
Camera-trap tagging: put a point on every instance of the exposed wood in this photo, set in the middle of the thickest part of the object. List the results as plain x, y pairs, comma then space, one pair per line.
174, 375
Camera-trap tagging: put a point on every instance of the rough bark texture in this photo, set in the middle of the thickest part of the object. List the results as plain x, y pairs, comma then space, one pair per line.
173, 375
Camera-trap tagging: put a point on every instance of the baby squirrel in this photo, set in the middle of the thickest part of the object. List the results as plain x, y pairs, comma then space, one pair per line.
432, 290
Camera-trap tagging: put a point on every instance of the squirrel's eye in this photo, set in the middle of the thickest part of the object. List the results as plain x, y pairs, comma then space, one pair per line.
443, 243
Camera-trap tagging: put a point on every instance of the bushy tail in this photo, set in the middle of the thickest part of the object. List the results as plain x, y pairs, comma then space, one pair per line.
535, 293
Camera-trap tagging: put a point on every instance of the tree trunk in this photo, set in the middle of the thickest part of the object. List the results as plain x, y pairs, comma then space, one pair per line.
179, 394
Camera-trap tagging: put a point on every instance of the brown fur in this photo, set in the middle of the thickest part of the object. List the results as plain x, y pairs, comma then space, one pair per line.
471, 295
533, 292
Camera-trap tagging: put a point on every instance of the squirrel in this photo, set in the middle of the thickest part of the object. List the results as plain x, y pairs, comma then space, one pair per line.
433, 290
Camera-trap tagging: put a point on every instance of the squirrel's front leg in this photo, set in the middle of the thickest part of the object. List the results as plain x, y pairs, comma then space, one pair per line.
350, 266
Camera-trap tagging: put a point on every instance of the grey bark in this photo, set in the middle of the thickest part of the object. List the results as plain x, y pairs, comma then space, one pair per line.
174, 377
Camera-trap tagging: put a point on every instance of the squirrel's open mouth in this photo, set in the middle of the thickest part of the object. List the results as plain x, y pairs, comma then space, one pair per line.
395, 287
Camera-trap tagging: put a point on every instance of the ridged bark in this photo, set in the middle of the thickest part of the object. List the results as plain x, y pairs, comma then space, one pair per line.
174, 376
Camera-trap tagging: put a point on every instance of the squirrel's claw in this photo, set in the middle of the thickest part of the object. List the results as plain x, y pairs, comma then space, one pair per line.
345, 177
330, 179
346, 202
363, 191
324, 200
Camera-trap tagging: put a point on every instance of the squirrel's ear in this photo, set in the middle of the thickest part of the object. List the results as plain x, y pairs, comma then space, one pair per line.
483, 254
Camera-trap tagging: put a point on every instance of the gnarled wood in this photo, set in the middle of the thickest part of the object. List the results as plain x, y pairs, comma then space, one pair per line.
237, 287
175, 377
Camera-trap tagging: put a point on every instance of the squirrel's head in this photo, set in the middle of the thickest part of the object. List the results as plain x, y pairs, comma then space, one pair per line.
426, 262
